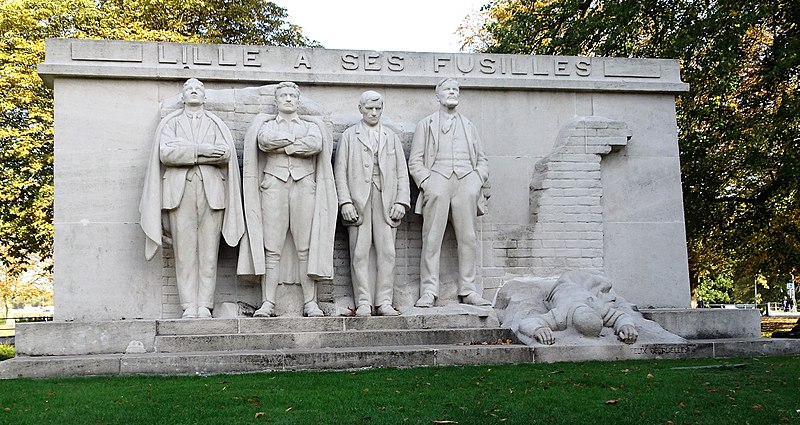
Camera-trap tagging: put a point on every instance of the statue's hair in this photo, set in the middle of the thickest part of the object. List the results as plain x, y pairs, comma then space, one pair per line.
194, 80
288, 85
370, 96
446, 79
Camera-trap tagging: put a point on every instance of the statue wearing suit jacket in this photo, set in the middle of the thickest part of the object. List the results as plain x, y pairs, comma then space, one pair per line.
373, 189
193, 174
448, 164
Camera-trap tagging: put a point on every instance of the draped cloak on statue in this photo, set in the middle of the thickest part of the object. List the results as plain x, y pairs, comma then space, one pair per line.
233, 226
251, 251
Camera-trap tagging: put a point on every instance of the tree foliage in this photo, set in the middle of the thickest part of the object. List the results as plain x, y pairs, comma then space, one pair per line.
28, 281
739, 125
26, 106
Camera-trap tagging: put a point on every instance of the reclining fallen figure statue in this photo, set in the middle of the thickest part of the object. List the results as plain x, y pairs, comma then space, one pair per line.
583, 301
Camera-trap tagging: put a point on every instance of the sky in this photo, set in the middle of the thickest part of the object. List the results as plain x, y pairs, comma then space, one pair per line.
399, 25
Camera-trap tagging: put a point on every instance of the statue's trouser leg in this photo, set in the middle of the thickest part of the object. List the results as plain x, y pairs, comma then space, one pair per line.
275, 214
383, 237
185, 224
269, 285
301, 212
308, 284
360, 240
464, 215
435, 209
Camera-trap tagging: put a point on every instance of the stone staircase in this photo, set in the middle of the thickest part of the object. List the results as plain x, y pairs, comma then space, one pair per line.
421, 337
288, 343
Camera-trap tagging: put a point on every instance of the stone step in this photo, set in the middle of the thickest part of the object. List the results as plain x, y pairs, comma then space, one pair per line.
329, 339
219, 362
322, 324
210, 362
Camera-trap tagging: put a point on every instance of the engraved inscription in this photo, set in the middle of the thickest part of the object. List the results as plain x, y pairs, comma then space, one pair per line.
372, 61
368, 63
203, 56
513, 65
661, 350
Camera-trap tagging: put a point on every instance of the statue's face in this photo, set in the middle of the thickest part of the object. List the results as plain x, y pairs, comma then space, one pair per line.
447, 94
194, 93
371, 111
287, 100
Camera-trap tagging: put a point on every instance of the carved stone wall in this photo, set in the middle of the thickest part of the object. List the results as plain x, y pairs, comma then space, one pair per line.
566, 204
108, 96
238, 107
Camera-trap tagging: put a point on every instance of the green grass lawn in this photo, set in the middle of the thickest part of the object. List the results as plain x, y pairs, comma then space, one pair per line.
730, 391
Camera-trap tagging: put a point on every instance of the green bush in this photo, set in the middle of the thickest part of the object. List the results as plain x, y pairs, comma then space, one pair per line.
6, 351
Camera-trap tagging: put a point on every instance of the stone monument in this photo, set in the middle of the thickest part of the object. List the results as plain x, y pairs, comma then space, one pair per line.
582, 152
585, 173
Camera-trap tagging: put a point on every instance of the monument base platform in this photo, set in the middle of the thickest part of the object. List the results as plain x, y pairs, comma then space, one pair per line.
217, 362
707, 323
246, 345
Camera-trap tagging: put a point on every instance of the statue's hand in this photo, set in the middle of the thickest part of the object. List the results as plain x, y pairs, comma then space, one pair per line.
283, 138
349, 213
627, 334
544, 335
211, 151
397, 212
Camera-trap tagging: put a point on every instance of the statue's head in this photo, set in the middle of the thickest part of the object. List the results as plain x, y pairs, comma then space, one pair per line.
287, 97
194, 92
371, 107
587, 321
447, 92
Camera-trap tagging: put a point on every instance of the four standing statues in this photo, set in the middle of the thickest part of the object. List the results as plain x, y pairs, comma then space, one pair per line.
285, 213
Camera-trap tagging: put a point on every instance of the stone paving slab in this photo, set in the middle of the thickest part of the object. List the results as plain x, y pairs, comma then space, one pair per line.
322, 324
367, 357
309, 340
209, 363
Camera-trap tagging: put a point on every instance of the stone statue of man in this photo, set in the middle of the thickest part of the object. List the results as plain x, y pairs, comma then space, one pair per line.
288, 189
583, 301
448, 164
373, 188
193, 175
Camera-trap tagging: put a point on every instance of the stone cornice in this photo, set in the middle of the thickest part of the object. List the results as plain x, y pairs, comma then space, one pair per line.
78, 58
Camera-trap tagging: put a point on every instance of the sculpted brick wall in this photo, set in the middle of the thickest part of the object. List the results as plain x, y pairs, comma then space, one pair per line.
566, 204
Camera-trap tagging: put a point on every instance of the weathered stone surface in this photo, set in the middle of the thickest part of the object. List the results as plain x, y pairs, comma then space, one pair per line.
708, 323
265, 361
209, 363
313, 340
61, 366
195, 327
75, 338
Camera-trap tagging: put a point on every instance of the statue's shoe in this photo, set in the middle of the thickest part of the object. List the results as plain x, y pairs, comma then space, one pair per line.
475, 299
